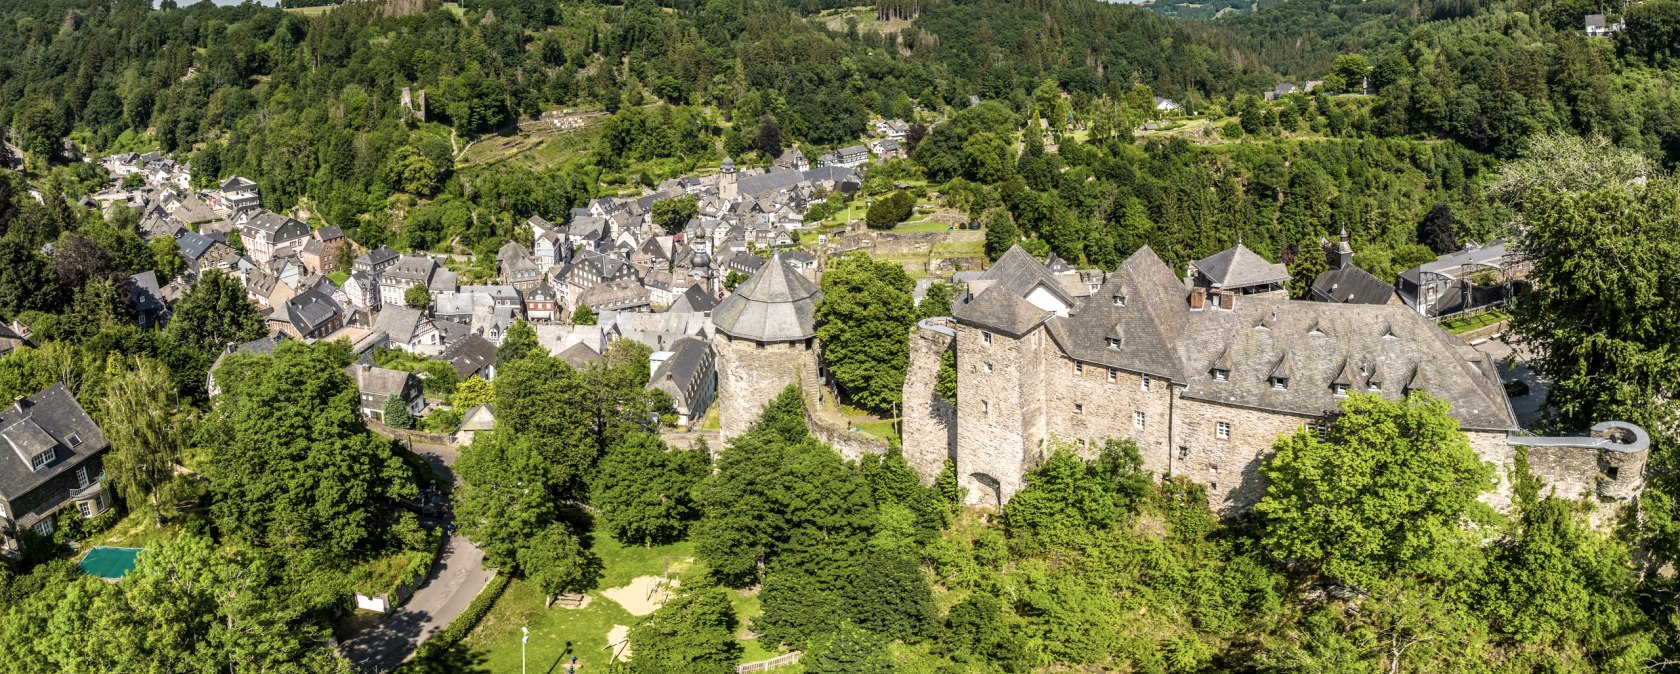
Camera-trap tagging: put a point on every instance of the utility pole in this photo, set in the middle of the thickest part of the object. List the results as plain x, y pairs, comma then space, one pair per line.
525, 637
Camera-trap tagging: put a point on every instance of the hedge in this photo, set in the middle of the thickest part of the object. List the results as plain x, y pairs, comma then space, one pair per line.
463, 624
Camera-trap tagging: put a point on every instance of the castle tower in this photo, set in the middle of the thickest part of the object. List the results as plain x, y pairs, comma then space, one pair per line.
766, 340
727, 188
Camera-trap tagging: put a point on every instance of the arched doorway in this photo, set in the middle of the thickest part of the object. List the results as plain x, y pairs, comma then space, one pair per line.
986, 491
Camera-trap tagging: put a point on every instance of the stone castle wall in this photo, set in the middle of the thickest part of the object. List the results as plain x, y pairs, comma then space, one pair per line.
1015, 394
751, 374
930, 424
992, 444
1229, 467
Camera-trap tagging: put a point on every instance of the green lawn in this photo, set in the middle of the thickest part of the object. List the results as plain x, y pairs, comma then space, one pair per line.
338, 277
135, 530
559, 633
1459, 326
883, 429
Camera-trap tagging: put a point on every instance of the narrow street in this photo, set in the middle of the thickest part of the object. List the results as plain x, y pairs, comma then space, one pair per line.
457, 578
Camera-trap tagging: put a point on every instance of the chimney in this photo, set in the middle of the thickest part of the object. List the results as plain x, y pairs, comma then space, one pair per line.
1189, 275
19, 403
1198, 299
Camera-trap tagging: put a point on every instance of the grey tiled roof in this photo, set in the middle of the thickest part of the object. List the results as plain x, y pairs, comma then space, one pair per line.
309, 310
683, 375
579, 355
469, 355
46, 419
1324, 343
1148, 324
996, 308
775, 305
1239, 267
1351, 285
1019, 272
695, 299
379, 381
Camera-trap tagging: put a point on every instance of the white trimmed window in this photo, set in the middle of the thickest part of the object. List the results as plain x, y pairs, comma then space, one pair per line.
41, 460
985, 337
1079, 408
86, 508
988, 367
1222, 430
44, 527
1113, 375
1220, 374
1078, 367
1137, 419
1146, 382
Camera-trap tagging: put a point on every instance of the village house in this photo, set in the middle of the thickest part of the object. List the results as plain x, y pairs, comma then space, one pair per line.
269, 235
377, 385
518, 268
311, 314
53, 458
1241, 271
409, 330
688, 374
234, 195
407, 272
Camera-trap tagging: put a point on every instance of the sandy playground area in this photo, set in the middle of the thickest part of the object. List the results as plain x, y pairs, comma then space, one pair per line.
642, 596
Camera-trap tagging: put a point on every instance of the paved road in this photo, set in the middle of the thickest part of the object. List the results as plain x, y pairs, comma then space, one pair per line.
458, 577
1528, 408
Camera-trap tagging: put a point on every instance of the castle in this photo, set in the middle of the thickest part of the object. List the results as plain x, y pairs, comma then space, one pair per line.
1204, 379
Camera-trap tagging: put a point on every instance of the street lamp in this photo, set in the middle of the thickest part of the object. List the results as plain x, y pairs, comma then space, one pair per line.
525, 638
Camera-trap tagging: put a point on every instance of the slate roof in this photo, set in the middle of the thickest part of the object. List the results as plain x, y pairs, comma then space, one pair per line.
776, 305
1239, 267
415, 268
398, 322
579, 355
996, 308
695, 299
1324, 343
1148, 321
374, 380
277, 225
469, 355
684, 374
311, 309
481, 417
46, 419
144, 292
378, 256
1351, 285
625, 293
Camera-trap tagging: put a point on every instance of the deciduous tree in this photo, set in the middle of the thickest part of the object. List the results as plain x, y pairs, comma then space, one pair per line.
146, 429
863, 321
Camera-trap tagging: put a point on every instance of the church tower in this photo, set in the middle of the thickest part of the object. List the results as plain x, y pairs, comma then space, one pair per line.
726, 181
766, 340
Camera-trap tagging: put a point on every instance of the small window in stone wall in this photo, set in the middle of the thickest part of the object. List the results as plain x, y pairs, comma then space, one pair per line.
1612, 472
1078, 367
985, 407
1213, 468
1213, 486
1078, 408
1113, 375
1222, 430
988, 367
985, 337
1137, 419
1183, 452
1146, 382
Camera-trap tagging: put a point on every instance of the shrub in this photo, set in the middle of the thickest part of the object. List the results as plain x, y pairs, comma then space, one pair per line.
446, 638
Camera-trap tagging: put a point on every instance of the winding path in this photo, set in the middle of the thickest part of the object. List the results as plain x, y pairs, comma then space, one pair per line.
458, 576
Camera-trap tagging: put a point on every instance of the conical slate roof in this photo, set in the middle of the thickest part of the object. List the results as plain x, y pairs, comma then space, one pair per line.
776, 305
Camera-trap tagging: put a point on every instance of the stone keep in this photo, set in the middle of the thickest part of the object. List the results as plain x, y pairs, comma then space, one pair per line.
766, 341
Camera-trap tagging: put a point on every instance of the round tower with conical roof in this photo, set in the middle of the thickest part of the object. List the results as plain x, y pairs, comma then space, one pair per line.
766, 340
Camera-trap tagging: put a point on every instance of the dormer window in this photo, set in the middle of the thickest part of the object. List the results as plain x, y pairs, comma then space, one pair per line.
41, 460
1114, 343
1374, 386
1119, 300
1280, 383
1341, 389
1221, 374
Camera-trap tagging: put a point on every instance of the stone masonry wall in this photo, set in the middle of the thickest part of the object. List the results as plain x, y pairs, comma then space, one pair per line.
1093, 403
1228, 467
1493, 449
750, 375
991, 444
930, 424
